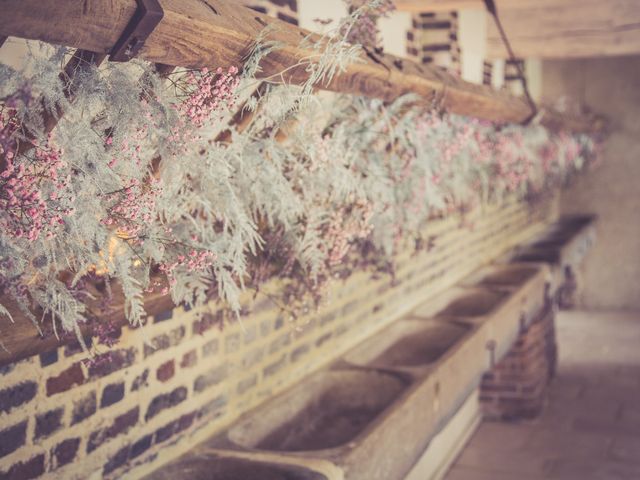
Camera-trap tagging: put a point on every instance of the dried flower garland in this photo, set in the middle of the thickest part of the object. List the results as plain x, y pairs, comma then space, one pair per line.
133, 186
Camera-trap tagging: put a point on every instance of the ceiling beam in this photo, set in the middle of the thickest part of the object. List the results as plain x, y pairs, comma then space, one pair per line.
198, 33
553, 28
567, 28
421, 6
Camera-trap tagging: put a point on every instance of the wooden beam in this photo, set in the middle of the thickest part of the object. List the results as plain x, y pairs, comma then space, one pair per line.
424, 6
198, 33
553, 28
22, 339
567, 28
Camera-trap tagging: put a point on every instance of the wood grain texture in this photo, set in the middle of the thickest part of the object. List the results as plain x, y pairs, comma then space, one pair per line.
553, 28
423, 6
198, 33
567, 28
23, 339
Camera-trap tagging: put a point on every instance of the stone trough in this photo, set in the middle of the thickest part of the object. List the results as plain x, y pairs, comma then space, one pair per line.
562, 246
408, 344
328, 410
372, 413
210, 466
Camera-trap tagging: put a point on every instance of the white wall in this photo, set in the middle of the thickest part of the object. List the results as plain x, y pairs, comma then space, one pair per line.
394, 33
533, 71
310, 10
472, 35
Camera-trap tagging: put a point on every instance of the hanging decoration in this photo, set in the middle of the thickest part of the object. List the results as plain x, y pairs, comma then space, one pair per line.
135, 188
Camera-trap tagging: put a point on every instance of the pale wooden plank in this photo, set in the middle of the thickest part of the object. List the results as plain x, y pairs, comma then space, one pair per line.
423, 6
567, 28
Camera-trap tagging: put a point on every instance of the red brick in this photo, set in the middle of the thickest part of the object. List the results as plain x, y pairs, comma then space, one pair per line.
69, 378
164, 401
32, 468
166, 371
163, 316
12, 438
164, 341
84, 408
213, 408
208, 321
120, 425
140, 381
189, 359
117, 460
174, 427
210, 378
165, 432
48, 423
65, 452
275, 367
258, 8
111, 362
75, 347
17, 395
185, 421
141, 446
299, 352
48, 358
112, 394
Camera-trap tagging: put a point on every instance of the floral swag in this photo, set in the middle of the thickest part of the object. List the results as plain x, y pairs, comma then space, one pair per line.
150, 184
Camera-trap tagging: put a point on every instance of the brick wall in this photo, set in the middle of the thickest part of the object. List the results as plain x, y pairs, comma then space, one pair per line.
516, 386
189, 374
433, 39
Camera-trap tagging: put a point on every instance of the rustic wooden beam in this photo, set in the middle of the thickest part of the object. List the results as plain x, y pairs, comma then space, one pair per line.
567, 28
22, 339
198, 33
553, 28
424, 6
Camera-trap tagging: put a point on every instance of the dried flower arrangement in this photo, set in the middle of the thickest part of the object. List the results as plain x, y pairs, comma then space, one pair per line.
134, 186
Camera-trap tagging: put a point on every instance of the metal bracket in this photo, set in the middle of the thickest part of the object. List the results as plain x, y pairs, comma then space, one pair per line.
145, 19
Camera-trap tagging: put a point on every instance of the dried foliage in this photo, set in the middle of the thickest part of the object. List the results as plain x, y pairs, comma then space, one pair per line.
133, 188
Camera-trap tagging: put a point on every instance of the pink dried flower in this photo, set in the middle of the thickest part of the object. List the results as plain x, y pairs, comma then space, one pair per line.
347, 225
33, 188
209, 93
